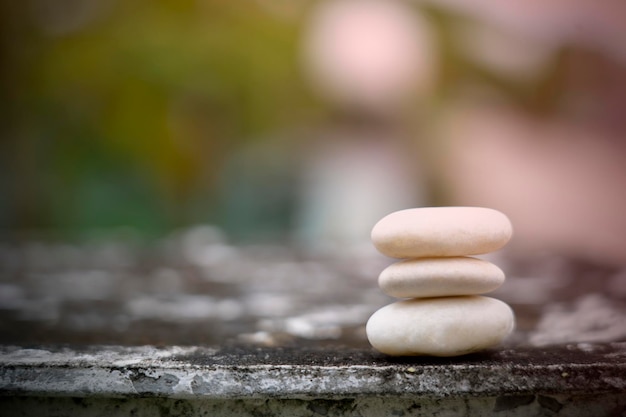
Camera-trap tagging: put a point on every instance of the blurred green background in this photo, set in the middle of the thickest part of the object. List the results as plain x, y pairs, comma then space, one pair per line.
124, 113
161, 114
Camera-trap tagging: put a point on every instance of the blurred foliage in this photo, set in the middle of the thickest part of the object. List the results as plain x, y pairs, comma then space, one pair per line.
158, 114
120, 113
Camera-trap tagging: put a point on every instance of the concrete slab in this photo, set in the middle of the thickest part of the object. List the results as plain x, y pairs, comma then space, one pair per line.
584, 379
265, 331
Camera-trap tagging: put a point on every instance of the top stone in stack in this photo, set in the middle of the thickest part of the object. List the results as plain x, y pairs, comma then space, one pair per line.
441, 231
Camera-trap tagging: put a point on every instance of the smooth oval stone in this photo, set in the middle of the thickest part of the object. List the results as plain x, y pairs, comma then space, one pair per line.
441, 231
438, 277
447, 326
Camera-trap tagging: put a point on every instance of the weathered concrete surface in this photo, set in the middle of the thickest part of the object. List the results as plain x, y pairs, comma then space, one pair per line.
583, 379
289, 336
191, 289
509, 406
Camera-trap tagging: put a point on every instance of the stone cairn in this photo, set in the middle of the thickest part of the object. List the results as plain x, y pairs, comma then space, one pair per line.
442, 313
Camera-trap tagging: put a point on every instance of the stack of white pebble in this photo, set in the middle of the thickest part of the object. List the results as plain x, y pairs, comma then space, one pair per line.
441, 313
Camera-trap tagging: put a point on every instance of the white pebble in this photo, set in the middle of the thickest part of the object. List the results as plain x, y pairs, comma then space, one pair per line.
441, 231
447, 326
438, 277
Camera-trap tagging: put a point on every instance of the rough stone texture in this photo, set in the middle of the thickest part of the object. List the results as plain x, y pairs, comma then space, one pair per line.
195, 289
509, 406
569, 380
193, 325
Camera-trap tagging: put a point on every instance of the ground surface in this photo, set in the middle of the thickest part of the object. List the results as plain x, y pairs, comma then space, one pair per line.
193, 325
195, 289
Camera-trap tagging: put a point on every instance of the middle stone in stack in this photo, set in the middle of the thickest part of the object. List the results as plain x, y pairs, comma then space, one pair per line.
443, 315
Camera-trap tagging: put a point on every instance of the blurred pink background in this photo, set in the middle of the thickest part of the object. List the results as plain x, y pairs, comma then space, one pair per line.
307, 121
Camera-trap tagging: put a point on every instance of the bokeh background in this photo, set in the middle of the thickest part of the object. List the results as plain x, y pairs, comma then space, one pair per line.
306, 121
